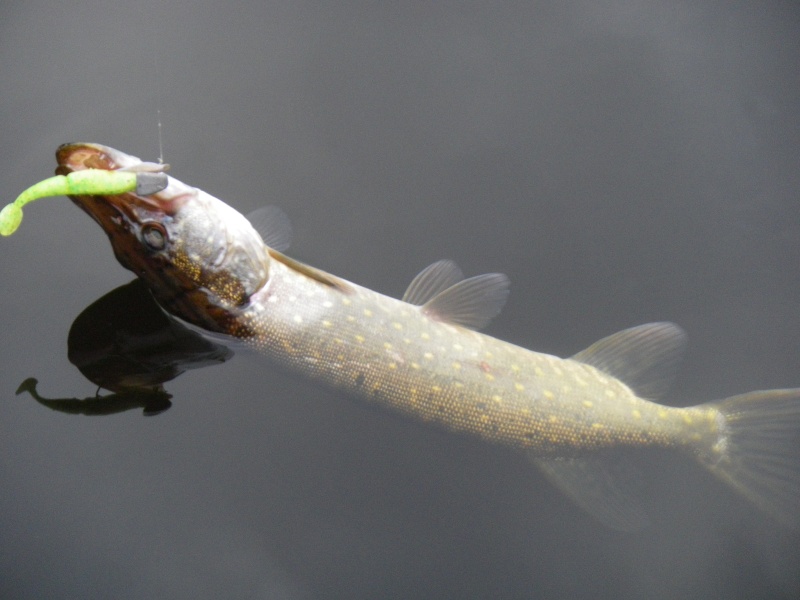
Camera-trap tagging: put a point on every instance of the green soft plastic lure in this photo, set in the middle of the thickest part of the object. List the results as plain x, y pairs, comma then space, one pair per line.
147, 179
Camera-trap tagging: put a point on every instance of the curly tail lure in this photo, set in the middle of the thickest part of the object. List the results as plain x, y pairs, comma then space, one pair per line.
145, 179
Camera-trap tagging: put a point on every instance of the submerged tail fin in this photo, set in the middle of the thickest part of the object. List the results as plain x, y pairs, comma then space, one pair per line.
758, 451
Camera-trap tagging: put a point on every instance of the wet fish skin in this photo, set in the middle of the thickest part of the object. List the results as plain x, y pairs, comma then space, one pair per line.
212, 269
393, 354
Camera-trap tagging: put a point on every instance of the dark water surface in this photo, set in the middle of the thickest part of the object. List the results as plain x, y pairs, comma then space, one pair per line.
622, 161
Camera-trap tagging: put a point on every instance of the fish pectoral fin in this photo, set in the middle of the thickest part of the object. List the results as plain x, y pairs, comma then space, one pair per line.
471, 303
273, 226
592, 483
431, 281
645, 357
312, 272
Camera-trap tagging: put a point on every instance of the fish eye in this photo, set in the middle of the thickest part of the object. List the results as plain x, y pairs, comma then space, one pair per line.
154, 236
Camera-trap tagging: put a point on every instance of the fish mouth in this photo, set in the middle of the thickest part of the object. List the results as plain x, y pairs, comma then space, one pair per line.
108, 209
77, 157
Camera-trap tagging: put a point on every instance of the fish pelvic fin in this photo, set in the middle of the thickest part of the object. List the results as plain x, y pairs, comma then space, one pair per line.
758, 450
597, 484
471, 303
431, 281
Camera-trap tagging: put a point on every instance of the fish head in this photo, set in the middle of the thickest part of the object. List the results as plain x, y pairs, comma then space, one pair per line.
201, 259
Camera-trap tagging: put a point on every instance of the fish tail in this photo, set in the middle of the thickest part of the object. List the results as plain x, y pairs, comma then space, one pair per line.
757, 450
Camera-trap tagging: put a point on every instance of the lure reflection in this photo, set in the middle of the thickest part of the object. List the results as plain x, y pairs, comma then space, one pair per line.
150, 401
422, 356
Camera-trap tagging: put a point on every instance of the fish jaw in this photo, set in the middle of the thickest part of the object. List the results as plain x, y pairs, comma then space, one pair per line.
212, 260
82, 156
121, 216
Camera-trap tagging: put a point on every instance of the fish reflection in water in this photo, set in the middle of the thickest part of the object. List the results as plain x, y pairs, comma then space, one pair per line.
124, 343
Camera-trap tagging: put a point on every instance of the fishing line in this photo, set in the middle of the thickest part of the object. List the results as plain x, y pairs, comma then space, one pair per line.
157, 87
158, 108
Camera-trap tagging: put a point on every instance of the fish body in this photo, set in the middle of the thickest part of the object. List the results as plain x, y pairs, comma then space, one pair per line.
421, 356
393, 354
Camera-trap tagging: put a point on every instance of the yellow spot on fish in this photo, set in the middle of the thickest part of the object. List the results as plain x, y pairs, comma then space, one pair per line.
515, 368
424, 335
428, 355
662, 414
636, 414
581, 382
458, 384
588, 403
553, 419
497, 399
327, 324
519, 387
351, 318
397, 325
338, 340
484, 418
457, 365
598, 426
406, 340
687, 419
360, 339
489, 376
414, 365
436, 388
392, 366
387, 345
538, 371
549, 395
610, 393
347, 301
297, 319
558, 371
458, 347
367, 312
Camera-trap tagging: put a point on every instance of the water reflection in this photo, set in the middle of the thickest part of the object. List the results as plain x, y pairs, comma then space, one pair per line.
151, 401
126, 344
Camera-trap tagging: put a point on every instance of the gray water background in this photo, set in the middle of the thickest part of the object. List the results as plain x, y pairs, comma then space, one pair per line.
622, 161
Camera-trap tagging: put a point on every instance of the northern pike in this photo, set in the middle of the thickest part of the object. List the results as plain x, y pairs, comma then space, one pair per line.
422, 355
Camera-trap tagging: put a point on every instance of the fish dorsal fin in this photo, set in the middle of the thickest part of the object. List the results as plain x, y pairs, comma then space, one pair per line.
645, 357
470, 303
432, 280
595, 485
312, 272
273, 226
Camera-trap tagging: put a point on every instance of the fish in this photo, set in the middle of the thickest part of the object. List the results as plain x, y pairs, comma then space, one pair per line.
422, 355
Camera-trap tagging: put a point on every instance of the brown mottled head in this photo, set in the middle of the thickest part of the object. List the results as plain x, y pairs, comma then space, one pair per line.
201, 259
